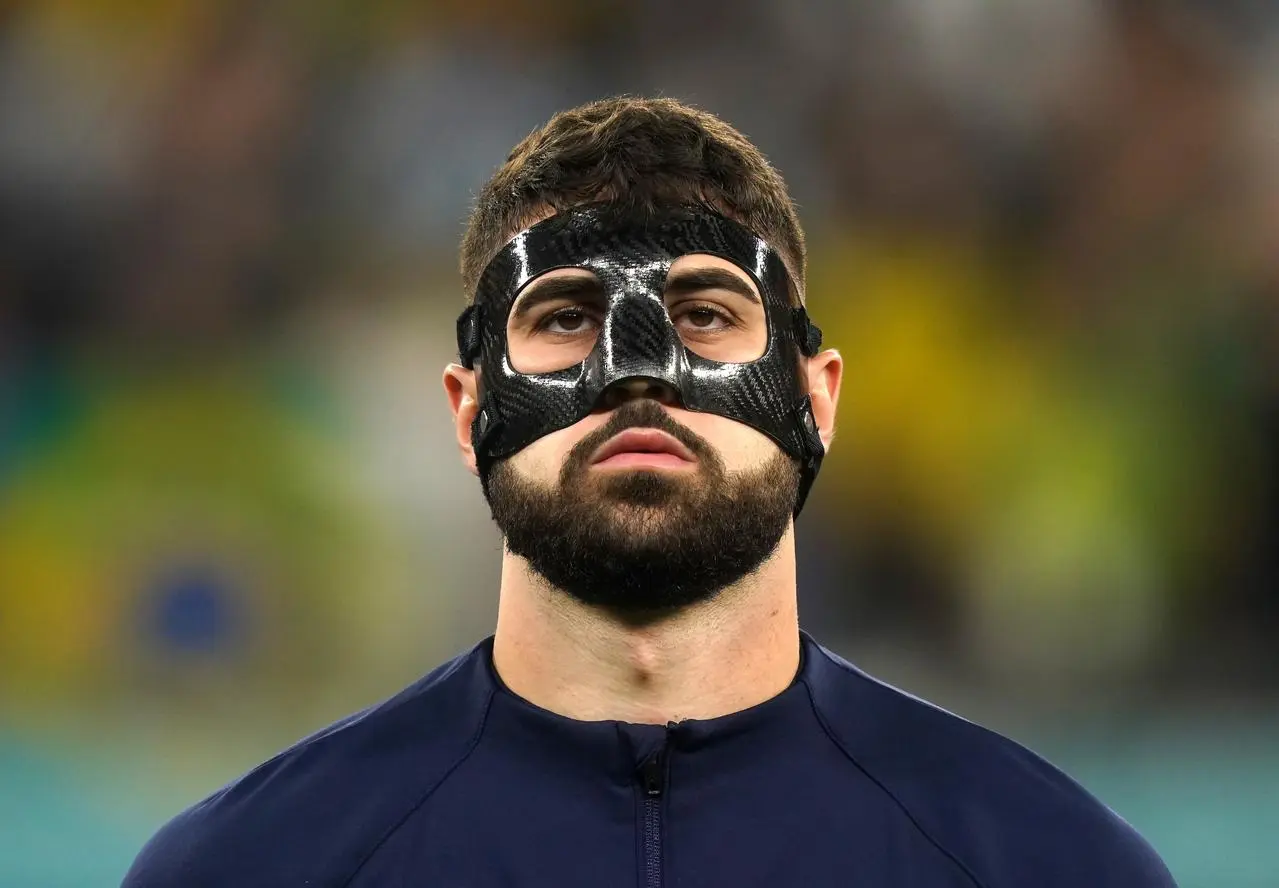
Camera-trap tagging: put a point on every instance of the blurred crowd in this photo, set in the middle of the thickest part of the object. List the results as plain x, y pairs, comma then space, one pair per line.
1045, 237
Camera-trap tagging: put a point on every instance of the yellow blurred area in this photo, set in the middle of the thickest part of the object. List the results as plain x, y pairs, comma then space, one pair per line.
1054, 487
929, 378
199, 467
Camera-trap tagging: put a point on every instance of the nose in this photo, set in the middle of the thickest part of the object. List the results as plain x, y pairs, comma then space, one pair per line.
639, 387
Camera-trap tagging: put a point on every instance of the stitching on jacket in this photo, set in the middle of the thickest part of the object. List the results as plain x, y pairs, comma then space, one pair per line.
475, 741
839, 743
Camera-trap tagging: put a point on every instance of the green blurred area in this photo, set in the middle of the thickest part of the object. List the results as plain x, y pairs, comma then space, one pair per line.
1045, 238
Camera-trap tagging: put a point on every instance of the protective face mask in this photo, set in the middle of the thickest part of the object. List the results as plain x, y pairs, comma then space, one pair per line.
630, 260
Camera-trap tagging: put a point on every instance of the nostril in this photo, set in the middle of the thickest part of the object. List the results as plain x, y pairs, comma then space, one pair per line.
661, 392
638, 387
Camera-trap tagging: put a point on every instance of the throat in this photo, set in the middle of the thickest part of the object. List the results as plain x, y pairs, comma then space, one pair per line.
707, 661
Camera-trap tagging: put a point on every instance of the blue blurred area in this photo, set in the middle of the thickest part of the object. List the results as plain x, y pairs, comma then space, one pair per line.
57, 834
1044, 236
1207, 802
190, 610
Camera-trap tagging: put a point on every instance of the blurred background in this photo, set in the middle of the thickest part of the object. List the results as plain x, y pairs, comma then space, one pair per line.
1045, 237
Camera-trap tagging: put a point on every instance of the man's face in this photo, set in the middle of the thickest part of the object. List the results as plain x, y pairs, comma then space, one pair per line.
643, 507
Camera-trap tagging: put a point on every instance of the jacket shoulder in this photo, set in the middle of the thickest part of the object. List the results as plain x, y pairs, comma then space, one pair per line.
315, 812
1001, 813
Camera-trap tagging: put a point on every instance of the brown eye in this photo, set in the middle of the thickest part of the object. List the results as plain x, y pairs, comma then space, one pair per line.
567, 321
702, 317
705, 319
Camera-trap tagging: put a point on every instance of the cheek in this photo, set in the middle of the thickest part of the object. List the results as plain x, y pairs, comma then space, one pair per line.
544, 458
739, 445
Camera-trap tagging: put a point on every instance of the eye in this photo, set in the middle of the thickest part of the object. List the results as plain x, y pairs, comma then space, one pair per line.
567, 322
703, 318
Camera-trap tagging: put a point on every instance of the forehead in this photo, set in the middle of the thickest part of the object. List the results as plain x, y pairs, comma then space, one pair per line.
617, 248
690, 262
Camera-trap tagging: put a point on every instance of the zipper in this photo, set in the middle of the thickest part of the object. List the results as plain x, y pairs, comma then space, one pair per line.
653, 777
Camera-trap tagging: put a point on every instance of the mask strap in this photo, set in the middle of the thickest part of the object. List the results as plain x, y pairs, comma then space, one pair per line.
468, 335
807, 334
811, 443
484, 430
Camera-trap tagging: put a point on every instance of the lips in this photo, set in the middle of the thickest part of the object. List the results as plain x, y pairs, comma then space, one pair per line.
643, 447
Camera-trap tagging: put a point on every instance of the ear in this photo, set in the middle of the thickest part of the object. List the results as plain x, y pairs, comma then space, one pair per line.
459, 386
825, 372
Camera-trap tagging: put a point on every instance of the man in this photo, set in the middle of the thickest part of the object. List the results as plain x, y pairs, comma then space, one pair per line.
646, 404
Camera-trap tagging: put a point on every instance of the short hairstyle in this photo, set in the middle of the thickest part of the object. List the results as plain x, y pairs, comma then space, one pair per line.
639, 155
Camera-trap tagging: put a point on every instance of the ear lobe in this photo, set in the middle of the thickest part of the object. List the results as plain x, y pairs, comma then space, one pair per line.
825, 373
460, 388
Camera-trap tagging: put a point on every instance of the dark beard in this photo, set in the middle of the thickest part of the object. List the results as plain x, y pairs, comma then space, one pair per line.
644, 544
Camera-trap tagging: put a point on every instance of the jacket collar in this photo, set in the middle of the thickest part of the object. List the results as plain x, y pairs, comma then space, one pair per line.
619, 748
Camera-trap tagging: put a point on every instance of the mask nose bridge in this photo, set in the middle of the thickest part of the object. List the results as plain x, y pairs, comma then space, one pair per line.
637, 338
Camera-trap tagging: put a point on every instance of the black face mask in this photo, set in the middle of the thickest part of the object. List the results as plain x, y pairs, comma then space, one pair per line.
637, 339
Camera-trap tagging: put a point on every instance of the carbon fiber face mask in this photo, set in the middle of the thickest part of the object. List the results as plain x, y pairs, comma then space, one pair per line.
637, 338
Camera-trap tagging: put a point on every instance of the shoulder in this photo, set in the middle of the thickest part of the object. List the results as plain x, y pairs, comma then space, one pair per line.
313, 813
999, 811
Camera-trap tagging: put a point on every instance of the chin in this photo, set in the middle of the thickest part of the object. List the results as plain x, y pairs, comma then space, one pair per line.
647, 489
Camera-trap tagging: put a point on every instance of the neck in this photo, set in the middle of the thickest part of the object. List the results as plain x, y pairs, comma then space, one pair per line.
712, 659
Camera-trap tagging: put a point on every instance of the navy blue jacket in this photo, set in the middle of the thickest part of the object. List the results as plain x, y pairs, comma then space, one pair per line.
838, 781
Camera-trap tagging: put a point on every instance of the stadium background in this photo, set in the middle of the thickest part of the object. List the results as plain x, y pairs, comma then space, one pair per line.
1045, 237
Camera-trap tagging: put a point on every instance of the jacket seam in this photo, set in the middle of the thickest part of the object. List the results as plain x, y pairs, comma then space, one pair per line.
471, 746
834, 737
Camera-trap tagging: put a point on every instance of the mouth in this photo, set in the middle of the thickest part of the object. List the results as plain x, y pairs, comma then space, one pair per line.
643, 449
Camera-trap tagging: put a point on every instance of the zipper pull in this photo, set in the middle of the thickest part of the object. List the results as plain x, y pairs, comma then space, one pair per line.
654, 774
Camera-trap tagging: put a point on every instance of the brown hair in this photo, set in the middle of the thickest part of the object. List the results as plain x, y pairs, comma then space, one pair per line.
639, 154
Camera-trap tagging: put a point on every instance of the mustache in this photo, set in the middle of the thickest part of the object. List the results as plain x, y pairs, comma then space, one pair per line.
642, 413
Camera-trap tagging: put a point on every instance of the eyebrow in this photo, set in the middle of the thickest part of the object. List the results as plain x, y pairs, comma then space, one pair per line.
685, 282
575, 287
680, 283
